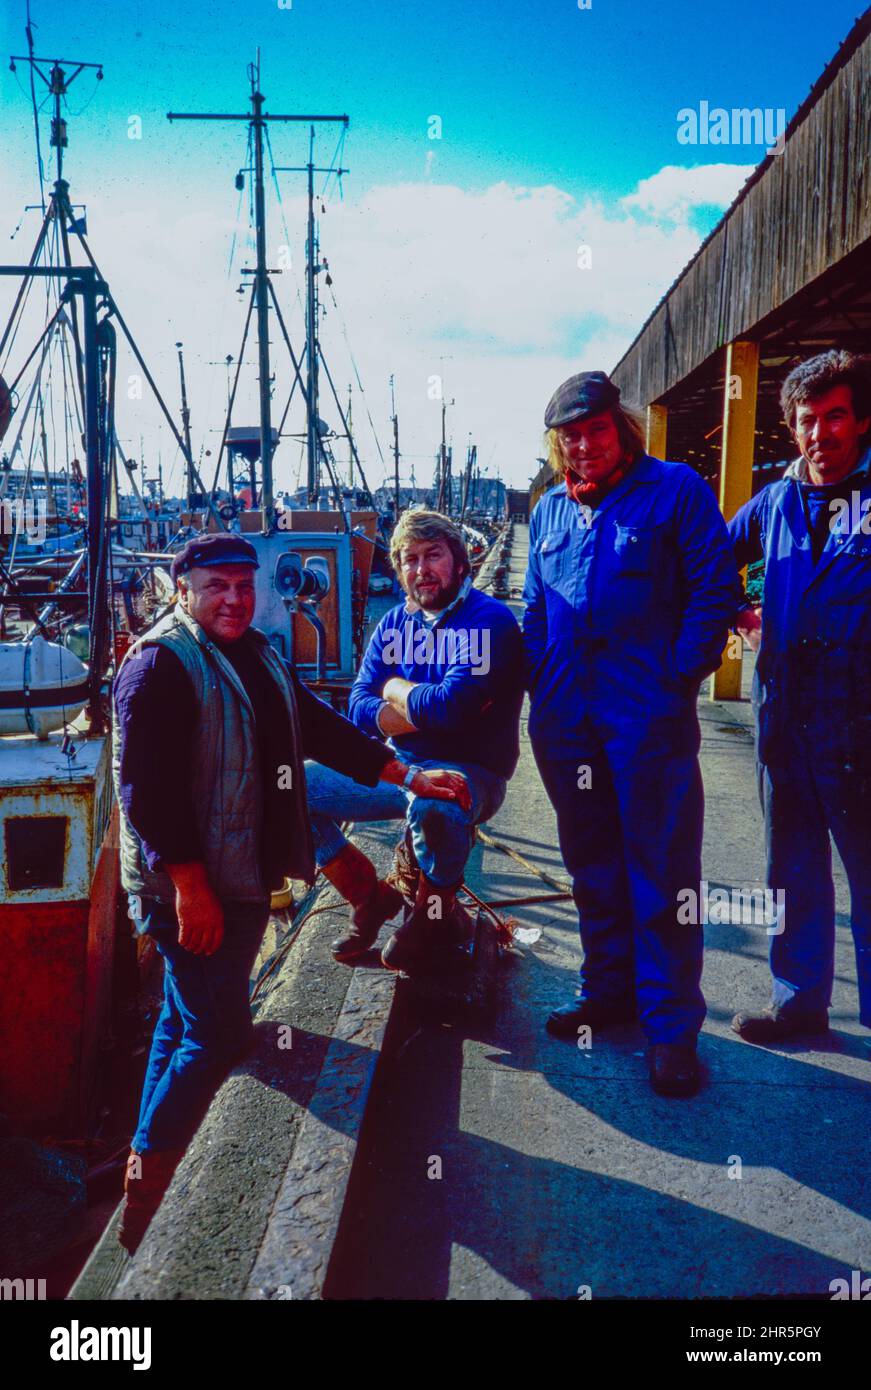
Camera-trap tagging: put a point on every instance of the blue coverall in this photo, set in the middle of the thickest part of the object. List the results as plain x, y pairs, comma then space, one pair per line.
627, 611
812, 696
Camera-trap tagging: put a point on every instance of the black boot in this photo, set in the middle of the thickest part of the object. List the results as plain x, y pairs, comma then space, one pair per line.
674, 1069
565, 1021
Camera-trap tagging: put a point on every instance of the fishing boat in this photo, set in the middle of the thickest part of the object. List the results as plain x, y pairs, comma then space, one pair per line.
92, 572
71, 600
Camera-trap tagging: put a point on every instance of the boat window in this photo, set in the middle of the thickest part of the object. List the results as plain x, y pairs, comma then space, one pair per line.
35, 851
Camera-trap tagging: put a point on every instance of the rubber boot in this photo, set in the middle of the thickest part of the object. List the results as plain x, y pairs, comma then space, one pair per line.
432, 914
373, 902
145, 1182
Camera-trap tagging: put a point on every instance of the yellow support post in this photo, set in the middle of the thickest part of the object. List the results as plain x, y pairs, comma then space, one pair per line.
736, 475
657, 425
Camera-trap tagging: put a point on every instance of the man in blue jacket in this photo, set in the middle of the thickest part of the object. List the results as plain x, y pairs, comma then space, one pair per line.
630, 589
812, 687
442, 681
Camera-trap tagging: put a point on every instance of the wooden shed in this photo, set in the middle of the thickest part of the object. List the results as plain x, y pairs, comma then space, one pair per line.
784, 275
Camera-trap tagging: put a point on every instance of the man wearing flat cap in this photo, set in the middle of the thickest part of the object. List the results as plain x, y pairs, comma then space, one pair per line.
211, 731
629, 593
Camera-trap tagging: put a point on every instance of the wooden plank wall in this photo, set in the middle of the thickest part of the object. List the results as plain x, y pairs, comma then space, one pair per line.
809, 208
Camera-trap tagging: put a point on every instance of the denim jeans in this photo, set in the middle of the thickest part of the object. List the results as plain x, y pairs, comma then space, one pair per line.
205, 1025
441, 831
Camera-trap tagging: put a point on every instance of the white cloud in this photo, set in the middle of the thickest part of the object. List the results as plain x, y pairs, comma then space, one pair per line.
487, 280
674, 192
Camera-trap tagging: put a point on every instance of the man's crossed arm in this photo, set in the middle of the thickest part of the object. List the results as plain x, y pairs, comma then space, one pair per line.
392, 717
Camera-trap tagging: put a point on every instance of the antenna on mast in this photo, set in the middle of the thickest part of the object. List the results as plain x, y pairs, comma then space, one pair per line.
58, 81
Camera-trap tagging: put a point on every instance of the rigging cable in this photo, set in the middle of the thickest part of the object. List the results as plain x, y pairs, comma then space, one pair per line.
4, 482
335, 163
11, 332
212, 376
357, 375
67, 416
10, 557
82, 109
29, 32
110, 472
283, 219
238, 210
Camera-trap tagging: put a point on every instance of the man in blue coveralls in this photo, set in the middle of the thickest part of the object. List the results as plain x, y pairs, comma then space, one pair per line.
442, 681
812, 687
630, 589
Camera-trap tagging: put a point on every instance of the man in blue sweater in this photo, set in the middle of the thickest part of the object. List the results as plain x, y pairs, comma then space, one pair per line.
442, 682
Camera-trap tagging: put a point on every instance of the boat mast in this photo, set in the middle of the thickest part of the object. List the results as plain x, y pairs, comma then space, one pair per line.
261, 291
58, 80
258, 120
470, 466
186, 426
395, 419
311, 336
313, 349
443, 503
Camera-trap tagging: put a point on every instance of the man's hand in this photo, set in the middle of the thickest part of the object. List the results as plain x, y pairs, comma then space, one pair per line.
439, 778
437, 783
749, 625
199, 912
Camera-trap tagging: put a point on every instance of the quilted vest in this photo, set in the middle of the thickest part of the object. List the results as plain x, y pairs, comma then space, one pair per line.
226, 791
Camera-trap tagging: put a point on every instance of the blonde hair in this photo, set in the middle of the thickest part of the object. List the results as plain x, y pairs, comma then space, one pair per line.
427, 526
630, 432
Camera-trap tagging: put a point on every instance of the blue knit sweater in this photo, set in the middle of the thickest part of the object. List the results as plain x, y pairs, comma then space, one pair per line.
468, 672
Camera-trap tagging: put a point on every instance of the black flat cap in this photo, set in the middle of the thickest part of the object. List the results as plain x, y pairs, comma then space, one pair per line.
580, 396
215, 548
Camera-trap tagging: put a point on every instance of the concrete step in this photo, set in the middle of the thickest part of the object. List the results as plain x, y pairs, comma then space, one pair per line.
253, 1208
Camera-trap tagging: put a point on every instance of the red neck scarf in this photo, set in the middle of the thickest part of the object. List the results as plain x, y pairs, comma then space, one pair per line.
591, 494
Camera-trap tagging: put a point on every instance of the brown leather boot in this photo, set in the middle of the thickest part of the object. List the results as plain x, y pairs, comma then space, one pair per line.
772, 1026
404, 874
373, 902
431, 918
145, 1182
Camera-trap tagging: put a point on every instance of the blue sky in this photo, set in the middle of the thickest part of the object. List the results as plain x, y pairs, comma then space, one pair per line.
531, 92
552, 117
